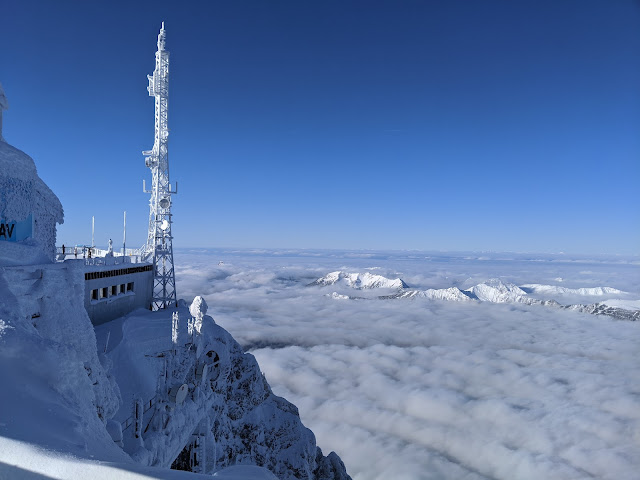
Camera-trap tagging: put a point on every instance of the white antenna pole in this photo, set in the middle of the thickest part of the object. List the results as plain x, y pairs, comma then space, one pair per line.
93, 231
159, 246
124, 238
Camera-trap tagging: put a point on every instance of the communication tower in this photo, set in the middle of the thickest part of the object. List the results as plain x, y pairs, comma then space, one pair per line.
159, 247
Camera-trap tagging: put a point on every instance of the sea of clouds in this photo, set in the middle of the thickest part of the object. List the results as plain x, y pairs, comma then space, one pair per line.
425, 389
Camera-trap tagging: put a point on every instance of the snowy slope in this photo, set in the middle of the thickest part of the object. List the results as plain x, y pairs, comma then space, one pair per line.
557, 290
24, 461
245, 422
497, 291
358, 280
452, 294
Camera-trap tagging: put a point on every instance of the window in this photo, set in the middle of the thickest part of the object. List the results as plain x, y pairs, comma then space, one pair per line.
104, 292
130, 287
123, 288
114, 290
94, 294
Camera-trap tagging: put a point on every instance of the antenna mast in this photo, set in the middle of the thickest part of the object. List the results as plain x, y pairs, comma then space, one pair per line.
159, 247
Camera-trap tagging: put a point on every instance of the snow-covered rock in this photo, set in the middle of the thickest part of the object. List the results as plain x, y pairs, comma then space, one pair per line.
24, 194
497, 291
358, 280
229, 405
556, 290
452, 294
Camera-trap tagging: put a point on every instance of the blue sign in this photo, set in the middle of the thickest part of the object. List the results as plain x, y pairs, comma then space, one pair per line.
16, 231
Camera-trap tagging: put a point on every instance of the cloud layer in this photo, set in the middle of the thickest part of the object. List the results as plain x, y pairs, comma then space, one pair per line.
425, 389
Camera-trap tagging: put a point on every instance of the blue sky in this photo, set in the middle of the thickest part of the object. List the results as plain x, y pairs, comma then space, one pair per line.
458, 125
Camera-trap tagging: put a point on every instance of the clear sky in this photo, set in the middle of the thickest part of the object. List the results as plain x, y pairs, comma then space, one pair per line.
431, 125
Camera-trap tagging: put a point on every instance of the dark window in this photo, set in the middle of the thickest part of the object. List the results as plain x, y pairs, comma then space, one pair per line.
104, 292
130, 287
94, 294
123, 288
114, 290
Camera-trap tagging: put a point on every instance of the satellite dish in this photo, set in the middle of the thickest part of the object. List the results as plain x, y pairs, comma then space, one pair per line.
179, 393
164, 202
164, 225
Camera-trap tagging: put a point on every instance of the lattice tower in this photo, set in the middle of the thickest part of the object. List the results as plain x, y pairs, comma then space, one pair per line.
159, 247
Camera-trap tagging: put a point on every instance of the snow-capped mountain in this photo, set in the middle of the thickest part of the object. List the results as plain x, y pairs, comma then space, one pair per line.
453, 294
497, 291
358, 280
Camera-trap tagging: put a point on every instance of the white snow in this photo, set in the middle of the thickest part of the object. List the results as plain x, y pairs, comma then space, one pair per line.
364, 280
497, 291
452, 294
24, 461
623, 303
551, 290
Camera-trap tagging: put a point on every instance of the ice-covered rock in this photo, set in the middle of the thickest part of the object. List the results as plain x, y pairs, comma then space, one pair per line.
359, 280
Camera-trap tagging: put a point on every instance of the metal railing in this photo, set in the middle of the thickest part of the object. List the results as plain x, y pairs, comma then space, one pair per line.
97, 256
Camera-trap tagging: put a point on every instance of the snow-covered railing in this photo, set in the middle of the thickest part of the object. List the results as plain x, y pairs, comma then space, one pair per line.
147, 406
97, 256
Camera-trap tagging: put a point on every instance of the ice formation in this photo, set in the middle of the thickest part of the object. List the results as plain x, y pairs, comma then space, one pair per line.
23, 193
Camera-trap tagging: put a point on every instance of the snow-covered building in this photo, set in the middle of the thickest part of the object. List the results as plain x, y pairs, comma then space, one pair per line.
113, 290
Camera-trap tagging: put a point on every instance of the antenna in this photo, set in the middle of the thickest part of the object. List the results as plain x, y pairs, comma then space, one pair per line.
159, 246
93, 231
124, 236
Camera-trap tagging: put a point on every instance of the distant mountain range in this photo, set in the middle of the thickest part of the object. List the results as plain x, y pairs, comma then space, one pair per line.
494, 290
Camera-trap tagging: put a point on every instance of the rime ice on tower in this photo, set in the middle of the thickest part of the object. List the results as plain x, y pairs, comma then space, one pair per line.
159, 247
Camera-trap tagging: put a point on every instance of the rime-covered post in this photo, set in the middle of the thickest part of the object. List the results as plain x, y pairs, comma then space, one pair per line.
159, 246
137, 418
4, 105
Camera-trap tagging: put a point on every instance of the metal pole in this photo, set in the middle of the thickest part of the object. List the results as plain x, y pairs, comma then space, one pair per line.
124, 238
93, 231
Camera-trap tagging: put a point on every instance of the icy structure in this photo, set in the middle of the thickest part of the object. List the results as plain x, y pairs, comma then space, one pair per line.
24, 196
205, 404
358, 280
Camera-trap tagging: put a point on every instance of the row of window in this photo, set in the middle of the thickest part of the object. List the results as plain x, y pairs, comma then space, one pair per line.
112, 291
119, 271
